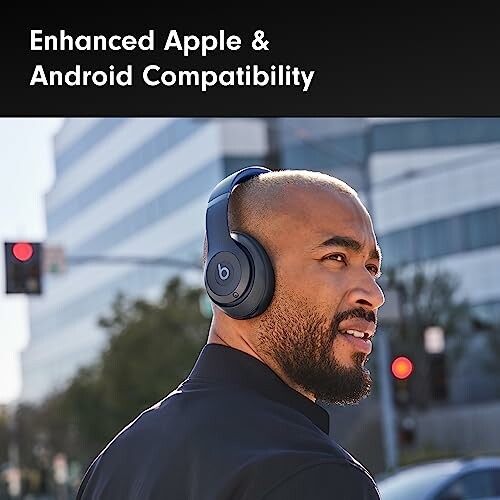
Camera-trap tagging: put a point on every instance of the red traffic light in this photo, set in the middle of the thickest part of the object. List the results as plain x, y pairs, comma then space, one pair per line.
22, 251
402, 367
23, 267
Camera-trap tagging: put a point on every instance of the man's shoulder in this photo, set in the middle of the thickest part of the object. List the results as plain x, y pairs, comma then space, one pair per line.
313, 471
321, 479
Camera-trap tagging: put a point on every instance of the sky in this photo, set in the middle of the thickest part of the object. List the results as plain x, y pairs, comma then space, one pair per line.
26, 174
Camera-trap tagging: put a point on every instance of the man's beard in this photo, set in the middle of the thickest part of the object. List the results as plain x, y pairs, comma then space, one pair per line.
301, 343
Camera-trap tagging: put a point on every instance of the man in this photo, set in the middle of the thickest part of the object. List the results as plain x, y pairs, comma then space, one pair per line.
246, 425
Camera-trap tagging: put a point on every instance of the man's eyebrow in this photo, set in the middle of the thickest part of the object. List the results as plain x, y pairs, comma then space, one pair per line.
376, 253
349, 243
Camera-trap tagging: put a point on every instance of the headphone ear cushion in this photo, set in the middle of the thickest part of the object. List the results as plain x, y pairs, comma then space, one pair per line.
261, 289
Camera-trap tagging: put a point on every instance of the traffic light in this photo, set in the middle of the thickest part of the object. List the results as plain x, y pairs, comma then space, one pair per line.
402, 368
23, 267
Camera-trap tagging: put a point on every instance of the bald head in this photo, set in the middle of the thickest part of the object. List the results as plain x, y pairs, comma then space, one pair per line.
255, 202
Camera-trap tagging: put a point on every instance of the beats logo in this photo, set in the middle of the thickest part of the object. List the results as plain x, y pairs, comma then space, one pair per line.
223, 272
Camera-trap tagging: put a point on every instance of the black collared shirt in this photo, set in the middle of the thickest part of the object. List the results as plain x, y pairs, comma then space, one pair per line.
233, 430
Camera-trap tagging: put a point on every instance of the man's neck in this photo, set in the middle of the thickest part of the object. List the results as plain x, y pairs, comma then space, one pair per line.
239, 341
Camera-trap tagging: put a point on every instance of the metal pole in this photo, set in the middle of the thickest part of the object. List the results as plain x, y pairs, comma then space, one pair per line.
388, 413
137, 260
13, 453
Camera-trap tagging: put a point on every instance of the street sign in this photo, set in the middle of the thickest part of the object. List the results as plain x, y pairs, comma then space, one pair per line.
54, 259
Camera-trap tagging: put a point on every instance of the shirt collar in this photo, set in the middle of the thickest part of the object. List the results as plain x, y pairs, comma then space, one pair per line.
227, 364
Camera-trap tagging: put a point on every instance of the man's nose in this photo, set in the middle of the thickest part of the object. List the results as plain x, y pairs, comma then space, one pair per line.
367, 293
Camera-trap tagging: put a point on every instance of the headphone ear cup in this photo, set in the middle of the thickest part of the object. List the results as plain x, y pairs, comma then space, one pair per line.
238, 274
261, 289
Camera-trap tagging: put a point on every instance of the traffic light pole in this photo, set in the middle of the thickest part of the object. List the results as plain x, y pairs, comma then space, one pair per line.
143, 261
388, 413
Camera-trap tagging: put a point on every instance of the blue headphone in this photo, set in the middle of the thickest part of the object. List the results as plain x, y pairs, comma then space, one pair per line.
238, 275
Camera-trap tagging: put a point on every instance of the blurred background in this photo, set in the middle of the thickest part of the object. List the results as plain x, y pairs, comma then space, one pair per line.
103, 311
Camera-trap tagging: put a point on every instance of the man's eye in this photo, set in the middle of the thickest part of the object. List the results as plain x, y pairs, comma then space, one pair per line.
374, 270
336, 256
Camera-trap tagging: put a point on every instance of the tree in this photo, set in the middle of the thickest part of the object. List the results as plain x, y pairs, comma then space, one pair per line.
152, 348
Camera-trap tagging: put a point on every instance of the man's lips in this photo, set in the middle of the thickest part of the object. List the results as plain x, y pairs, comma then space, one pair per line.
358, 325
359, 344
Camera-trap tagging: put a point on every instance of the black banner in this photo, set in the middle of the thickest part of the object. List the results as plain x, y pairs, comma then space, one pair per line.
347, 62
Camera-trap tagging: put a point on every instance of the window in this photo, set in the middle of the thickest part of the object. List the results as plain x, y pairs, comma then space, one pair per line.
474, 485
433, 133
85, 143
168, 137
173, 199
458, 233
397, 248
481, 228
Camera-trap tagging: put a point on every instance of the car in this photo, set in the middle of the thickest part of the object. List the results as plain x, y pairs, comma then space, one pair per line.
451, 479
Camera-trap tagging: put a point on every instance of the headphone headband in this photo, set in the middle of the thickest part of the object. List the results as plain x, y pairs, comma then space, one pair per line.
218, 203
225, 186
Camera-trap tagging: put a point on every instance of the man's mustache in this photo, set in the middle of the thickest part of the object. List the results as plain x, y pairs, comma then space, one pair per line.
355, 313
